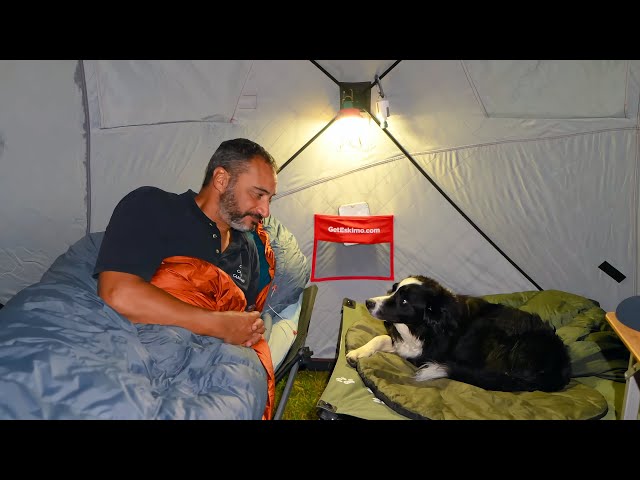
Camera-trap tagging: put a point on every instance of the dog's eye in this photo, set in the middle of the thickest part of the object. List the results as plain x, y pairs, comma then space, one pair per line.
404, 301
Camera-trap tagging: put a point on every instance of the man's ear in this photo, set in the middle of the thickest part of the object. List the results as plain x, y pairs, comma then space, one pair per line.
220, 179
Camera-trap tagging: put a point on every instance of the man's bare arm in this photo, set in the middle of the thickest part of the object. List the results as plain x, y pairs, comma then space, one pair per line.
142, 302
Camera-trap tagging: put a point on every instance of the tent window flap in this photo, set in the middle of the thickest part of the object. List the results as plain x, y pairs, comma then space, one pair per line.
368, 255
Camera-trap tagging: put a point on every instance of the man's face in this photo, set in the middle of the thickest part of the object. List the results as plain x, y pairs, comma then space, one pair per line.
246, 200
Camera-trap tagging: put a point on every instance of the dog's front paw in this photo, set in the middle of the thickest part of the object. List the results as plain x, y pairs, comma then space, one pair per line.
354, 355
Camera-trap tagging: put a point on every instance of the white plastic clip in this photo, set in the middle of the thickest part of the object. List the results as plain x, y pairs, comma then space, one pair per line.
382, 111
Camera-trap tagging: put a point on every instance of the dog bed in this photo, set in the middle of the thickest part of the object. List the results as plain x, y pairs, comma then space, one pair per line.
382, 386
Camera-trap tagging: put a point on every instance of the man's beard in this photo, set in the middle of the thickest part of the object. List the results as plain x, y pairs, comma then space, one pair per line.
231, 213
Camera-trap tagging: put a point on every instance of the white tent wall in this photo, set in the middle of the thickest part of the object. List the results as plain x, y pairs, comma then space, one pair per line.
43, 177
552, 182
156, 123
541, 156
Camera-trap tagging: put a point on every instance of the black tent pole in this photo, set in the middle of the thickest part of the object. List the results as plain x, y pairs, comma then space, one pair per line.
448, 199
307, 144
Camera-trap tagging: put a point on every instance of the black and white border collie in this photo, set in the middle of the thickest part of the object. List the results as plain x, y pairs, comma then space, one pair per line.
465, 338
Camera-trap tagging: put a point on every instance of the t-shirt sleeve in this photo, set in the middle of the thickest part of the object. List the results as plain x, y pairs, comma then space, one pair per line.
132, 240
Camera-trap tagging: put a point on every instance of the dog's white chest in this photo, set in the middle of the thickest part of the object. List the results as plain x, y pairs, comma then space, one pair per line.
409, 346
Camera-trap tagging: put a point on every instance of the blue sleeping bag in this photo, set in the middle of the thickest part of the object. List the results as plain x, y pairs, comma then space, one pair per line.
65, 354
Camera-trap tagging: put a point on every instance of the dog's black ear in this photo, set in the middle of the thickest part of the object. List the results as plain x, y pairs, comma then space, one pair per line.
394, 287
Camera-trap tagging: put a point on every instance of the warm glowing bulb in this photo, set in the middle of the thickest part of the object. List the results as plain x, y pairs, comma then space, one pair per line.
353, 133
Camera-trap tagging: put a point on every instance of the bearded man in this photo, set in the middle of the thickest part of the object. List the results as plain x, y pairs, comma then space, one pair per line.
151, 228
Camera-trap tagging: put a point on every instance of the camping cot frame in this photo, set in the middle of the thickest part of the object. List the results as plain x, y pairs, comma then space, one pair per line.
298, 354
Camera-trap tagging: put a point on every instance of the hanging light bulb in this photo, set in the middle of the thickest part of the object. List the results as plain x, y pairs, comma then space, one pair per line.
352, 124
347, 105
353, 131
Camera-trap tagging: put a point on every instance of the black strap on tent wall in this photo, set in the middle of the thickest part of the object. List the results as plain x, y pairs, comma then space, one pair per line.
415, 164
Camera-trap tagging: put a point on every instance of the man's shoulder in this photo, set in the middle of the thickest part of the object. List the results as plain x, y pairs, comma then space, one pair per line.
150, 191
151, 194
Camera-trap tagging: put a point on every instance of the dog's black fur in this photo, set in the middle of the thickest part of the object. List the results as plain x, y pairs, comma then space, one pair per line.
468, 339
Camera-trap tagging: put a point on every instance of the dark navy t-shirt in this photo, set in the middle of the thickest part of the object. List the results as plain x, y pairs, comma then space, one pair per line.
149, 225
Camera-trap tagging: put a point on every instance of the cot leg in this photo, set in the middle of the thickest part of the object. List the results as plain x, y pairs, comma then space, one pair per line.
631, 402
286, 391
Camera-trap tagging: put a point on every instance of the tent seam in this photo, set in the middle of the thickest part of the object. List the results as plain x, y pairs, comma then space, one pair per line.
446, 150
636, 201
474, 89
87, 129
524, 140
168, 122
246, 78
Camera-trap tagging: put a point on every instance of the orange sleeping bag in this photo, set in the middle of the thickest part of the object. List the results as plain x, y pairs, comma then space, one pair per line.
202, 284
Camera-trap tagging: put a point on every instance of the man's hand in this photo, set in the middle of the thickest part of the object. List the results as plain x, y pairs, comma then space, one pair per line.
238, 328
